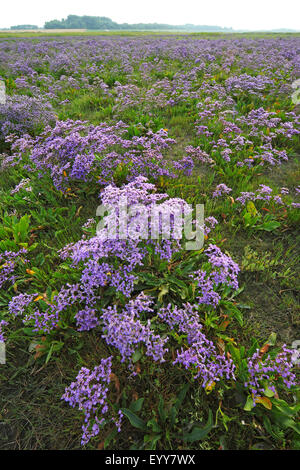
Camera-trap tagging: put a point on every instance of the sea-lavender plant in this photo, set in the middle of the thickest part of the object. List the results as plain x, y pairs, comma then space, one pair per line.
220, 190
125, 331
265, 372
90, 393
76, 150
8, 262
25, 115
210, 279
201, 356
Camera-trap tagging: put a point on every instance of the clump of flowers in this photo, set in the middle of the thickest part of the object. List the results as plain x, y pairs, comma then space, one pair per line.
264, 372
89, 223
19, 303
221, 189
126, 331
225, 274
24, 184
8, 262
198, 155
247, 83
266, 194
209, 224
201, 357
106, 261
90, 393
25, 115
77, 150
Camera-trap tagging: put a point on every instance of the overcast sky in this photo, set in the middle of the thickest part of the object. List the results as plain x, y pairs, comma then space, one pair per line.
239, 14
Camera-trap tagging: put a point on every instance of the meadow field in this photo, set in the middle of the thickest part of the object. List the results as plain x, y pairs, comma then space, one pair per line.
138, 342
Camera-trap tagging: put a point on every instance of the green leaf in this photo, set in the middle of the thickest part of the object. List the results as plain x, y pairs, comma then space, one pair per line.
269, 393
29, 331
200, 433
285, 422
236, 313
271, 341
181, 396
137, 405
235, 353
161, 410
249, 405
136, 356
270, 429
152, 440
285, 408
152, 423
49, 353
251, 208
269, 226
135, 421
163, 291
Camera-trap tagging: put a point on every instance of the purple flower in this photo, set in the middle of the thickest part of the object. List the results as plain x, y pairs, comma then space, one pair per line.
126, 331
90, 393
201, 356
267, 370
8, 263
221, 189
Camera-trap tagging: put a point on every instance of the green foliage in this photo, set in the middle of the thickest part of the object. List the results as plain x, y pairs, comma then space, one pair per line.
165, 426
252, 261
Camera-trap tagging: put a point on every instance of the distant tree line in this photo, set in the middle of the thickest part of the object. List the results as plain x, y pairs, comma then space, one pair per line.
104, 23
82, 22
24, 26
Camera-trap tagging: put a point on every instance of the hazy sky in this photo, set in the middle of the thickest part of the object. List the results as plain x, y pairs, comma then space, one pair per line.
240, 14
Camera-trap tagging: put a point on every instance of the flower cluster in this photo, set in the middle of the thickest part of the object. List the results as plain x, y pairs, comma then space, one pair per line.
76, 150
126, 331
265, 193
264, 372
220, 190
24, 114
90, 393
24, 184
8, 262
225, 275
201, 355
105, 262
